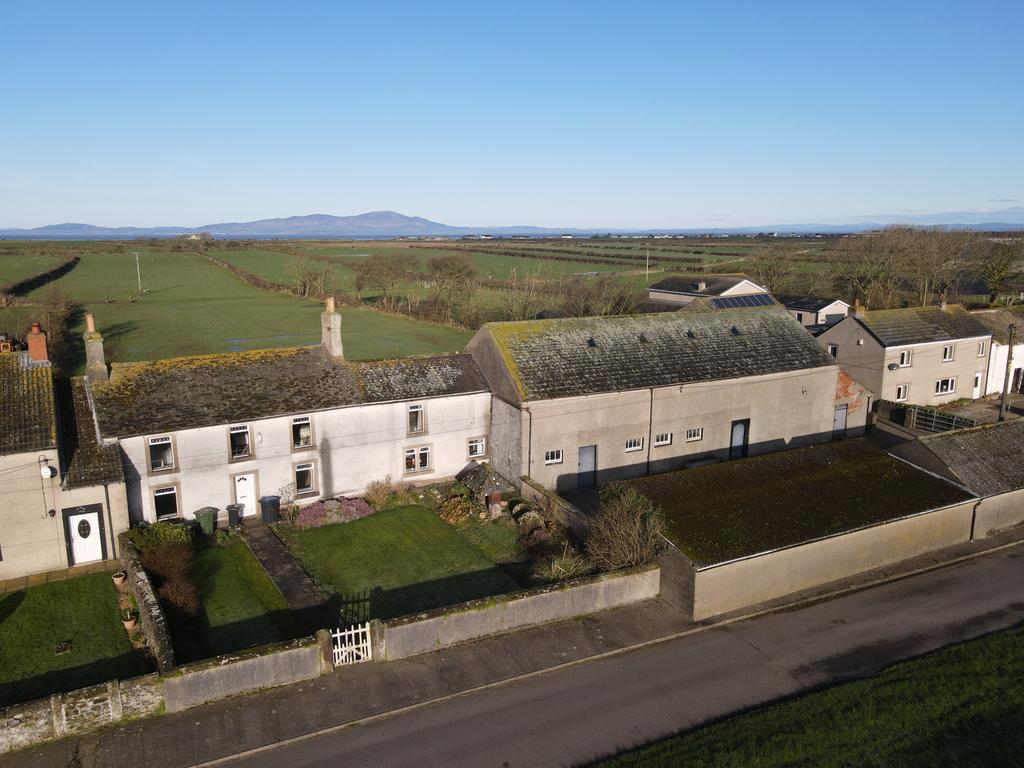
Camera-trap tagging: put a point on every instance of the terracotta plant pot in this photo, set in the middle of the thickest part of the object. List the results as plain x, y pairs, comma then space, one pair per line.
129, 623
119, 578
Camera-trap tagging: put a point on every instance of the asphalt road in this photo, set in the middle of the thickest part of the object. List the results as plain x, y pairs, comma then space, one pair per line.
577, 714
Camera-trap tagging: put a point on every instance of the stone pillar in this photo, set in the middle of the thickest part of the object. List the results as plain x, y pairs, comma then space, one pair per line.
95, 361
330, 328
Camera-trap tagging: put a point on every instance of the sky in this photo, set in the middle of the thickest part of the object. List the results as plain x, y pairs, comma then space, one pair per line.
590, 114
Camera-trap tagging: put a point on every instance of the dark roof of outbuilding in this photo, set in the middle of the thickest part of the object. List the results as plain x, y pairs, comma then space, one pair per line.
918, 325
28, 419
580, 356
988, 459
806, 303
87, 462
208, 390
715, 285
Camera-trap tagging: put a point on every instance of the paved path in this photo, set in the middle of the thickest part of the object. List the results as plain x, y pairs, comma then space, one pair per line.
299, 591
463, 709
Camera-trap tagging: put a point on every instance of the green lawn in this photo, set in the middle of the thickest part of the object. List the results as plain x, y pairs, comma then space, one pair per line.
961, 706
402, 561
239, 606
82, 611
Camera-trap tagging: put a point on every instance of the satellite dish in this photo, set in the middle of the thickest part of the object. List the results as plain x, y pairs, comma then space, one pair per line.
47, 471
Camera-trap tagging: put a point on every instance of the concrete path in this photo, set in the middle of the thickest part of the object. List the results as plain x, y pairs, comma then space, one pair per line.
569, 692
299, 591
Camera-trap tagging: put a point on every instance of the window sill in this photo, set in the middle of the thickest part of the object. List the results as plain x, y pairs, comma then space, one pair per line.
163, 471
303, 448
419, 471
240, 459
306, 494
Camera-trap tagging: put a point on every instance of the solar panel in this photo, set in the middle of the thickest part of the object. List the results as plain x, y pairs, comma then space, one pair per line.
735, 302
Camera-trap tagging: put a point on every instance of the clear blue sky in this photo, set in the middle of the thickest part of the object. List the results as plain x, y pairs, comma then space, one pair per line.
625, 114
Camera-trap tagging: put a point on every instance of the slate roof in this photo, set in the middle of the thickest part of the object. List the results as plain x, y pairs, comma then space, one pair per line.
580, 356
209, 390
86, 461
805, 303
988, 459
28, 420
918, 325
715, 284
998, 322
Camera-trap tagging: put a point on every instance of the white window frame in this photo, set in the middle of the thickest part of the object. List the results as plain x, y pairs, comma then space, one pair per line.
905, 388
239, 429
554, 456
981, 349
665, 438
634, 444
951, 349
482, 442
418, 452
695, 435
167, 490
299, 421
302, 466
833, 349
940, 388
167, 440
906, 358
422, 411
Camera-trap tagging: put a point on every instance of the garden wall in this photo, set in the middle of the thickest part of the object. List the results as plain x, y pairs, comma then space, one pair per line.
151, 615
739, 584
411, 635
996, 513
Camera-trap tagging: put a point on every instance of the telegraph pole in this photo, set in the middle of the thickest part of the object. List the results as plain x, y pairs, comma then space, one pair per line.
1006, 376
647, 277
138, 271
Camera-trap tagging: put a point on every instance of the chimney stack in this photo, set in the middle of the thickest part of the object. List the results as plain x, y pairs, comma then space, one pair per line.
36, 340
858, 308
942, 305
702, 284
330, 328
95, 360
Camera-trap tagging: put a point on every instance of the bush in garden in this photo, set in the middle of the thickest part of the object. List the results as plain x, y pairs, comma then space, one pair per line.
181, 595
460, 489
458, 509
625, 531
354, 509
311, 516
168, 561
379, 492
558, 564
148, 537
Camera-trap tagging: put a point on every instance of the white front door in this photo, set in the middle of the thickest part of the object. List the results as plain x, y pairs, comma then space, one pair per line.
977, 386
245, 493
85, 534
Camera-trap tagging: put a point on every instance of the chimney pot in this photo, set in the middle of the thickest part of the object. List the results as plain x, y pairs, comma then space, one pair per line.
330, 329
37, 343
330, 303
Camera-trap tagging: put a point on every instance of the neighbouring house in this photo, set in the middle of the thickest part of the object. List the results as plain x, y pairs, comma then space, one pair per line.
682, 289
919, 355
998, 321
63, 494
987, 460
811, 311
582, 401
300, 423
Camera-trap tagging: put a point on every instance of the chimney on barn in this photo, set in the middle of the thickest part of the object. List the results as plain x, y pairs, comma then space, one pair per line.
858, 308
330, 328
95, 360
36, 341
702, 284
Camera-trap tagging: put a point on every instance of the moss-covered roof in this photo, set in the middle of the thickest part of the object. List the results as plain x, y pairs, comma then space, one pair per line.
27, 412
920, 325
736, 509
210, 390
86, 461
580, 356
988, 459
998, 322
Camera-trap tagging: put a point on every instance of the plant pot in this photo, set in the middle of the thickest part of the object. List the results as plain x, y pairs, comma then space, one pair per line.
129, 623
119, 578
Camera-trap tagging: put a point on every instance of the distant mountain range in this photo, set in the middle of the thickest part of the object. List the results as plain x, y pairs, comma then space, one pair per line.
388, 224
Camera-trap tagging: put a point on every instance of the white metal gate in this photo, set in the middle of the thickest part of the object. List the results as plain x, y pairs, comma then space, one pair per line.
352, 644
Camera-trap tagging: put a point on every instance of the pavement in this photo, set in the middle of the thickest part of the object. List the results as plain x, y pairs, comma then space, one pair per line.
570, 692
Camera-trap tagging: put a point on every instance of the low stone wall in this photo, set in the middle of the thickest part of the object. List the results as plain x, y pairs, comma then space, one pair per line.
730, 586
151, 615
411, 635
224, 676
535, 493
997, 513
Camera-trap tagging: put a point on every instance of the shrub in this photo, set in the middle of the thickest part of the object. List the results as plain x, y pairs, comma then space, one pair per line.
458, 510
378, 493
180, 595
460, 489
149, 537
625, 531
558, 564
168, 561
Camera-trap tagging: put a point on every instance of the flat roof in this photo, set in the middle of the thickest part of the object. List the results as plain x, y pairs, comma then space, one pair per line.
737, 509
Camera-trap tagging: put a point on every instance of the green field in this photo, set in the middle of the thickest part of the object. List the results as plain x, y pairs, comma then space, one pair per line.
81, 612
17, 263
961, 706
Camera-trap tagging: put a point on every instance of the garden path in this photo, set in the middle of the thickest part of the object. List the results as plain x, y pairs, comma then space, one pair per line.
301, 594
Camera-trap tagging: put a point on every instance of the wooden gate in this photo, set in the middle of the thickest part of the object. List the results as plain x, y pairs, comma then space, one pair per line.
352, 644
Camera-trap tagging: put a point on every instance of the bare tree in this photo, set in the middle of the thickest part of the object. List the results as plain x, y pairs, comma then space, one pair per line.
309, 277
382, 272
521, 300
453, 276
996, 262
771, 268
604, 295
625, 531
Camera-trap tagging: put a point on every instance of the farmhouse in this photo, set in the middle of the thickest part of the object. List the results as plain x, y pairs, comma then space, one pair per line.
580, 402
300, 423
920, 355
62, 494
682, 289
811, 311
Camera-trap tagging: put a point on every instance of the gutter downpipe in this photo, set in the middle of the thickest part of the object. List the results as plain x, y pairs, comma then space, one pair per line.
529, 443
974, 517
650, 430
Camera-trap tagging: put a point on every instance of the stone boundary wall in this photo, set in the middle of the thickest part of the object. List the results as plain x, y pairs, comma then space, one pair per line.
445, 627
151, 615
535, 493
119, 701
742, 583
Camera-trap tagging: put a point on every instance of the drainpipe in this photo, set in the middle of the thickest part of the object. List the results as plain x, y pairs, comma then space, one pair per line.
110, 524
529, 444
974, 517
650, 431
